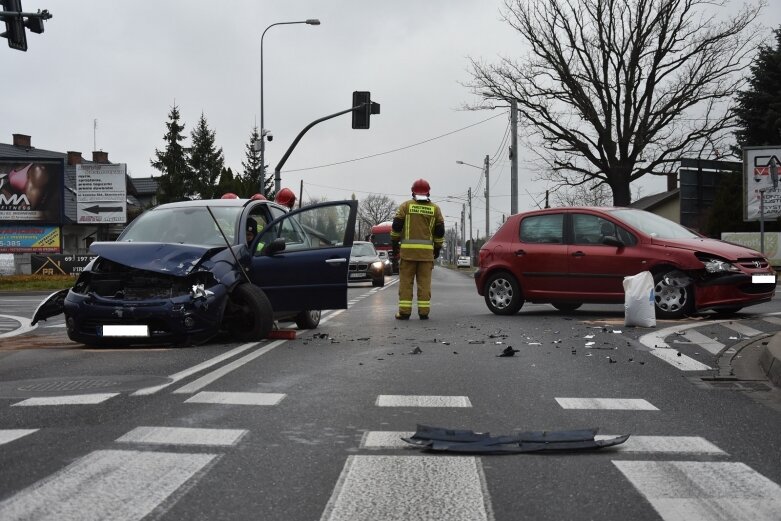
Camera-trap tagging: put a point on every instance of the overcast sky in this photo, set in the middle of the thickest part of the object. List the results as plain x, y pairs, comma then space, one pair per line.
124, 63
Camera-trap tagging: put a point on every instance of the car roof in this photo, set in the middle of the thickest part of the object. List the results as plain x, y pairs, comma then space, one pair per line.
230, 203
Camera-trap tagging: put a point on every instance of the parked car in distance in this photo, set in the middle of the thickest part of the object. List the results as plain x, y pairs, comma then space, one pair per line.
463, 262
570, 256
386, 262
183, 272
365, 264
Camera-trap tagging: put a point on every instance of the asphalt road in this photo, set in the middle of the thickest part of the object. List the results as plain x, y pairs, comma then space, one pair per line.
310, 428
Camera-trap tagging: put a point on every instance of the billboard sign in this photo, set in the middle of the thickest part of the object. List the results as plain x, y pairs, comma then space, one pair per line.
30, 239
760, 181
59, 264
31, 190
101, 194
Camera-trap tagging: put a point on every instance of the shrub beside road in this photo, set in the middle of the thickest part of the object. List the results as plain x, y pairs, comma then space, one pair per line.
35, 282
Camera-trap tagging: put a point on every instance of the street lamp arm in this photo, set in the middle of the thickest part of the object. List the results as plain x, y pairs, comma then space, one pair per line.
468, 164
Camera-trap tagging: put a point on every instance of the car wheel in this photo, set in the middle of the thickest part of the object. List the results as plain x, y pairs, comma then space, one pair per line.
672, 300
566, 307
379, 282
308, 319
248, 315
503, 294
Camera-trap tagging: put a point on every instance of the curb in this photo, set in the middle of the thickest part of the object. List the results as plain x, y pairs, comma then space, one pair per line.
770, 359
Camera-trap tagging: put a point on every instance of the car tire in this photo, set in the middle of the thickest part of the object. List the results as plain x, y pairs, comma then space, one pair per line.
378, 283
248, 315
309, 319
503, 294
566, 307
671, 302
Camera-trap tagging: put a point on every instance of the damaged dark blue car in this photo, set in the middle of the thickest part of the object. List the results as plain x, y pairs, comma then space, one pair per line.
185, 272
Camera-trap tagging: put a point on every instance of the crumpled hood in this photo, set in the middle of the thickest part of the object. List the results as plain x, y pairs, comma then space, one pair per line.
170, 259
726, 250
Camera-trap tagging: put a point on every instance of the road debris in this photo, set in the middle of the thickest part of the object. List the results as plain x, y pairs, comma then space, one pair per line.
415, 351
465, 441
508, 351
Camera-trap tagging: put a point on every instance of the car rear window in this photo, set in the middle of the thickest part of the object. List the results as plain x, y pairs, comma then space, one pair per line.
544, 229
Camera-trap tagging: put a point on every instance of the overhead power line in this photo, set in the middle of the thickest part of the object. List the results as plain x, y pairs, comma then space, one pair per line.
396, 149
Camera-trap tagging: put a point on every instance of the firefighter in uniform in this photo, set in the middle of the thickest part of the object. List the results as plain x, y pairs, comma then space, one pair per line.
417, 235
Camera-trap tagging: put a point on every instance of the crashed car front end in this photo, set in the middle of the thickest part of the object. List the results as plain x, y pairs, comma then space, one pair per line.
727, 283
111, 301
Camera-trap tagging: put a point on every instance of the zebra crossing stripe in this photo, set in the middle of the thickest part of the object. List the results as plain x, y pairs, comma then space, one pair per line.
237, 398
183, 436
679, 360
9, 435
399, 400
627, 404
413, 488
120, 485
742, 329
74, 399
702, 491
385, 439
772, 320
707, 343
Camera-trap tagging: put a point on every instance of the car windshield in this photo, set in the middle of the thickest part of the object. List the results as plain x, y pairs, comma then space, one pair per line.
652, 224
185, 225
362, 250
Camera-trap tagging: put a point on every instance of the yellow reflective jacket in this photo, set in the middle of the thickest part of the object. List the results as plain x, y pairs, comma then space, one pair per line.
423, 229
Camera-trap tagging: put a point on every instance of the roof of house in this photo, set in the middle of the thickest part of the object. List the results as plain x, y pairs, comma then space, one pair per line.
652, 201
144, 185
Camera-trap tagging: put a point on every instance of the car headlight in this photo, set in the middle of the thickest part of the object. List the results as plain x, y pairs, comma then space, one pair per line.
718, 266
377, 265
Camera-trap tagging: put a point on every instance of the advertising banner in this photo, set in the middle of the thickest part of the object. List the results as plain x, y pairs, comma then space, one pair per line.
59, 264
761, 171
31, 190
101, 194
30, 239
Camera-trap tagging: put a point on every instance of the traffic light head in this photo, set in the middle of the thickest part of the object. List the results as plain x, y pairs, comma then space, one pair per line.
14, 25
361, 109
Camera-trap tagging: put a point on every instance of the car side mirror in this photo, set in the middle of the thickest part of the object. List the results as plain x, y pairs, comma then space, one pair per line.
612, 241
276, 246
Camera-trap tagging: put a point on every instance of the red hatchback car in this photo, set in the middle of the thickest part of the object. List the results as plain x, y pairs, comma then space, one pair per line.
569, 256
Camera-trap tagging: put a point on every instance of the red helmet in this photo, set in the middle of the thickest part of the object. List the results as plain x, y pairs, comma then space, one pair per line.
258, 197
286, 197
421, 187
229, 195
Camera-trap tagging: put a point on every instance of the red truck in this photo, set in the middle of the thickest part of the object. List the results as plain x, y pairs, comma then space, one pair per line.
381, 239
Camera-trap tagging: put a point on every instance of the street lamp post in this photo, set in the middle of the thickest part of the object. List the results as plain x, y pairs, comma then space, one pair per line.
263, 131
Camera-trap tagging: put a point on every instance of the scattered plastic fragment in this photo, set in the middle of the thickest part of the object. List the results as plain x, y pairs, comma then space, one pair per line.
509, 351
465, 441
589, 354
617, 331
534, 343
611, 361
364, 338
476, 342
416, 351
590, 343
589, 336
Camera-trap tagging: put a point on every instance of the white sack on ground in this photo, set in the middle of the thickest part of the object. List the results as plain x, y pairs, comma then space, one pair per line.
639, 307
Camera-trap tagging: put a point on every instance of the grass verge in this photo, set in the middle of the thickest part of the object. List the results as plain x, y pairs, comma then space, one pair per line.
36, 282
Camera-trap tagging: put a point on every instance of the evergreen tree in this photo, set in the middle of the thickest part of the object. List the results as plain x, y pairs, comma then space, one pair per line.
759, 108
173, 184
251, 164
205, 160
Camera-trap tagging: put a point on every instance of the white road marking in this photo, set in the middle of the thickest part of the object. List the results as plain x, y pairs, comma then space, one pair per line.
237, 398
195, 369
385, 439
183, 436
9, 435
704, 491
331, 315
24, 328
772, 320
400, 400
413, 488
660, 349
625, 404
706, 342
742, 329
679, 360
74, 399
665, 444
120, 485
208, 378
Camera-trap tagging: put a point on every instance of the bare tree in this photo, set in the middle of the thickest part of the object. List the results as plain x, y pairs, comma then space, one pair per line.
592, 194
375, 209
613, 90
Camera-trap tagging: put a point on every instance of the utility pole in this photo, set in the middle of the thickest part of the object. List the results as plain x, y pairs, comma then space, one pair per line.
487, 194
463, 228
471, 241
513, 157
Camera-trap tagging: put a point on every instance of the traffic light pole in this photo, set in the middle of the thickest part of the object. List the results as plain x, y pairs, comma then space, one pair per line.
278, 168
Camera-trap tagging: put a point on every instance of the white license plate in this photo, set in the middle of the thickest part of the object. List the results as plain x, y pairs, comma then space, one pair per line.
763, 279
357, 275
124, 330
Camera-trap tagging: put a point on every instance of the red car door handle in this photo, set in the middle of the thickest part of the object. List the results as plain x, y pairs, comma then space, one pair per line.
578, 254
519, 252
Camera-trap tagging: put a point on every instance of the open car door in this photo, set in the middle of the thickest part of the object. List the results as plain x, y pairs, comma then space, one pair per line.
310, 272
